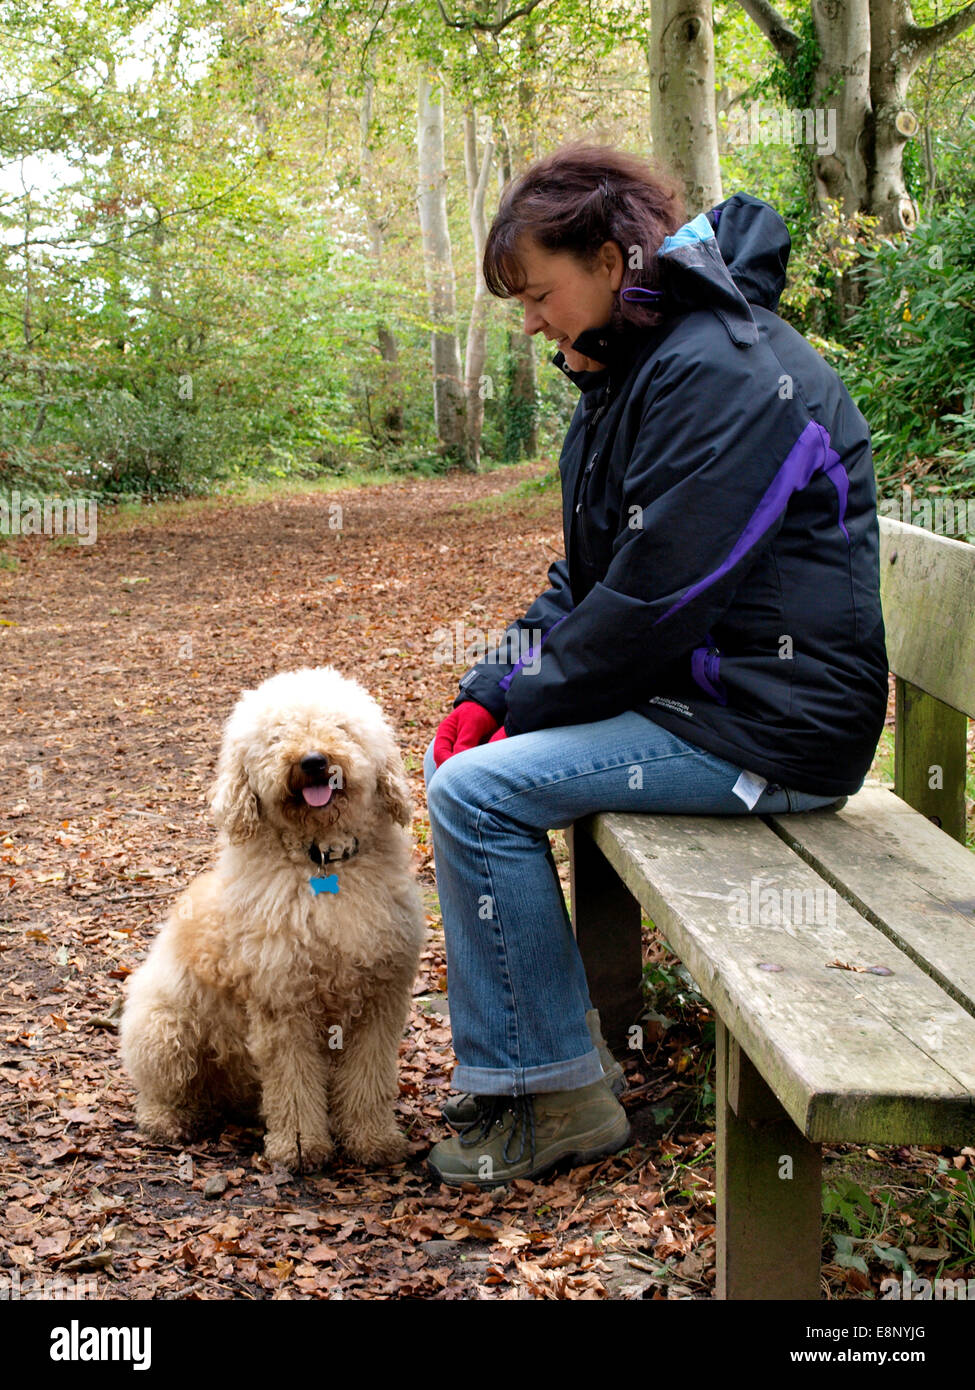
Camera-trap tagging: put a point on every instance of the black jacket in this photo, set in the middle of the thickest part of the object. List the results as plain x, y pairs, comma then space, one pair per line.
719, 511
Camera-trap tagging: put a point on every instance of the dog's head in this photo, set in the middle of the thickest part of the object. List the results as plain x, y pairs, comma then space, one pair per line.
308, 752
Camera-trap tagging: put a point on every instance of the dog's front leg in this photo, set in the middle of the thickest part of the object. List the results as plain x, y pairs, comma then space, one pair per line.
294, 1086
364, 1081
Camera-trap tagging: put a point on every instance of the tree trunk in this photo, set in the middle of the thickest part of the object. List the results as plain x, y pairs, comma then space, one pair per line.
476, 384
870, 50
448, 390
392, 383
683, 118
521, 421
392, 416
842, 84
894, 58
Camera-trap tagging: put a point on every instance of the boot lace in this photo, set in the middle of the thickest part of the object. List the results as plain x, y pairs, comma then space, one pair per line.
491, 1111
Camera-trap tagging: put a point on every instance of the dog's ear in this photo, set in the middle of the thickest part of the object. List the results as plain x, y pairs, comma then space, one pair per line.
234, 803
394, 790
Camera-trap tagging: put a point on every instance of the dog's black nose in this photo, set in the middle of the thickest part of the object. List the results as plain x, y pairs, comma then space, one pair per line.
314, 765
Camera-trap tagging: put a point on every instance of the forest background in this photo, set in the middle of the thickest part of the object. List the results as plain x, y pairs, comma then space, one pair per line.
243, 241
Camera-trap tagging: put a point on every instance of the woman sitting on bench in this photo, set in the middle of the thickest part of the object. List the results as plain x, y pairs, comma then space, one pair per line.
712, 642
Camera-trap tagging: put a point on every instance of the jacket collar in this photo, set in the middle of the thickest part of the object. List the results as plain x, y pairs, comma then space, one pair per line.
615, 345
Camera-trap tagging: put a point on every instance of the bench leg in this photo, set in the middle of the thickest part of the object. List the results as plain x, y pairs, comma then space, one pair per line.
769, 1188
606, 922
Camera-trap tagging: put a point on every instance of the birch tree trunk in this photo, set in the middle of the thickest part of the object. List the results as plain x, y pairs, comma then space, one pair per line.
683, 118
475, 387
376, 225
448, 390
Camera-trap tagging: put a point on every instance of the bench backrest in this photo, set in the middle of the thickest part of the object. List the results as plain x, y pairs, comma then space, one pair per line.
927, 585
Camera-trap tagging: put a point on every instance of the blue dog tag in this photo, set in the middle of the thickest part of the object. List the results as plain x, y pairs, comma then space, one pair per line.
329, 884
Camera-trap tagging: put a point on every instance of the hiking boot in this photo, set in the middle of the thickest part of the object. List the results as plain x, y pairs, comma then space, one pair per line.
524, 1136
463, 1110
612, 1070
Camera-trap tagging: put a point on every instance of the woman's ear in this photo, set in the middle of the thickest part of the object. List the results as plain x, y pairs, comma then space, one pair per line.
394, 790
234, 804
612, 258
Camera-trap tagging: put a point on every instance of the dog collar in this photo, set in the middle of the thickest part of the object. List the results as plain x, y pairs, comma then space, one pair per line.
317, 856
330, 882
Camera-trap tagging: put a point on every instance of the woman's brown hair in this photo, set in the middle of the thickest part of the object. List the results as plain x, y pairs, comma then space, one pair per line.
574, 200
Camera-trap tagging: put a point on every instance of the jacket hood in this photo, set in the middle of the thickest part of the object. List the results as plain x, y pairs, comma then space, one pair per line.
754, 243
724, 260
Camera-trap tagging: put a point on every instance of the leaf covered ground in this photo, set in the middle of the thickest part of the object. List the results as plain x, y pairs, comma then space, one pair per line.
121, 661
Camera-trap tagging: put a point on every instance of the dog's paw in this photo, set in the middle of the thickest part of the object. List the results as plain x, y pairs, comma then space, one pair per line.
297, 1153
170, 1126
380, 1150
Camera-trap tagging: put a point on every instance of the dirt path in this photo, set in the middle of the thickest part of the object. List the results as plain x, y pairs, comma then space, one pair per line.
120, 662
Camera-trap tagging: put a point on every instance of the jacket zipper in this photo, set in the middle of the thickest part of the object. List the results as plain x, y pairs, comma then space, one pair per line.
597, 415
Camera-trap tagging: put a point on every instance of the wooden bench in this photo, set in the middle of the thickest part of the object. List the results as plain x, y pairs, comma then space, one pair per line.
810, 1052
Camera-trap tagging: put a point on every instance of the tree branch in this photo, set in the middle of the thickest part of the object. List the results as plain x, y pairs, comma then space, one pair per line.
486, 26
935, 36
774, 26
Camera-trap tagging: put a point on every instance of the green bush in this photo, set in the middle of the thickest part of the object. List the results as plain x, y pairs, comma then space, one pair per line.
912, 365
153, 447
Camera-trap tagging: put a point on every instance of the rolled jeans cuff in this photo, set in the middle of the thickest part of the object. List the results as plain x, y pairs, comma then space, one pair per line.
529, 1081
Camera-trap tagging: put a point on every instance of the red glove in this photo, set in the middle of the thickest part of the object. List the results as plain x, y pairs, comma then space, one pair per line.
466, 726
500, 734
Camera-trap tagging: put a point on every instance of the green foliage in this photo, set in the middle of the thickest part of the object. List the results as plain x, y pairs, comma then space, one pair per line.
896, 1227
208, 252
670, 985
152, 447
794, 82
955, 1206
850, 1205
819, 260
912, 364
769, 171
424, 463
548, 483
915, 174
955, 161
519, 410
185, 303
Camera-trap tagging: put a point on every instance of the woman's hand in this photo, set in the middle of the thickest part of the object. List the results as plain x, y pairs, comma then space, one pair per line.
467, 726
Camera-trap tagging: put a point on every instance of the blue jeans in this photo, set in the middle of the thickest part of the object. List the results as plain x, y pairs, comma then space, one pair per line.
517, 987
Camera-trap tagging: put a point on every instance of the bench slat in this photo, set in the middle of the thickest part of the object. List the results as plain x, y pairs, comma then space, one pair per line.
881, 1082
931, 757
901, 872
927, 586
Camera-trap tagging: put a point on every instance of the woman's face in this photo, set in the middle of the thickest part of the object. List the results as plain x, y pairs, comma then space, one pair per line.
563, 296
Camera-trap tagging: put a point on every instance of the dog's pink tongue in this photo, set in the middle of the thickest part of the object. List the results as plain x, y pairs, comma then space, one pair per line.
316, 796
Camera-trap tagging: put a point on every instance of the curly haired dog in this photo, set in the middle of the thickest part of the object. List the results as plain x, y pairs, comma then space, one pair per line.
280, 983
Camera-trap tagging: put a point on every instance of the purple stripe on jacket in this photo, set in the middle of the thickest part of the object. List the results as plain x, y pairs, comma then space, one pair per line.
808, 455
706, 668
505, 681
